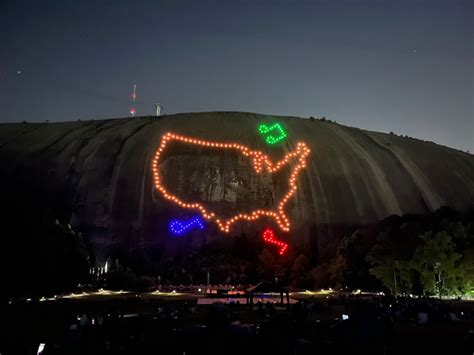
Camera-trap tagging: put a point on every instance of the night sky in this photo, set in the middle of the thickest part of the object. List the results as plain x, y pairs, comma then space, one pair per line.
401, 66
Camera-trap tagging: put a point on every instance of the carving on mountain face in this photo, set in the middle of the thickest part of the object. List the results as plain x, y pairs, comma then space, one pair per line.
233, 186
214, 188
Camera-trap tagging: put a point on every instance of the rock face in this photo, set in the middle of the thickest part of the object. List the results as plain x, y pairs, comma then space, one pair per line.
98, 175
223, 181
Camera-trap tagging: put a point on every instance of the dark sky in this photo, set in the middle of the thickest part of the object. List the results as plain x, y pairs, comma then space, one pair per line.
402, 66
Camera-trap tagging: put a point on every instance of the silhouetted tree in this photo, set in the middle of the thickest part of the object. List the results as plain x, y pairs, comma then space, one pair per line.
300, 276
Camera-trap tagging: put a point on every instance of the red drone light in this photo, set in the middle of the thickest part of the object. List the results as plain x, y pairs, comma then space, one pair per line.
269, 237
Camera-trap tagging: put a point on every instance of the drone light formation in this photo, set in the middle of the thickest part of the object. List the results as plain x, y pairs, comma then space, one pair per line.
260, 162
272, 138
269, 237
179, 228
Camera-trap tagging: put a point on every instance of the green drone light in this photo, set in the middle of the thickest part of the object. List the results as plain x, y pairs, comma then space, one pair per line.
273, 133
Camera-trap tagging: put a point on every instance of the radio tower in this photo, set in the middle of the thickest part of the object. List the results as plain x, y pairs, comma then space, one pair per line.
134, 96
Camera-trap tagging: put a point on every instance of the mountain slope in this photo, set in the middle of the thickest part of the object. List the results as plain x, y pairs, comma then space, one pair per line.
97, 175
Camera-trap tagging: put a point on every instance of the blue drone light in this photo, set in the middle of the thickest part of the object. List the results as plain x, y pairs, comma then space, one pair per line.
179, 228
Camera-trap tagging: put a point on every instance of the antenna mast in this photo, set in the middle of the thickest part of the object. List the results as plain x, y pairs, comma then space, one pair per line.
134, 96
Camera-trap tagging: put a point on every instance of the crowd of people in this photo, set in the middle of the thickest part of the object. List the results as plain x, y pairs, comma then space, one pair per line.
333, 325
